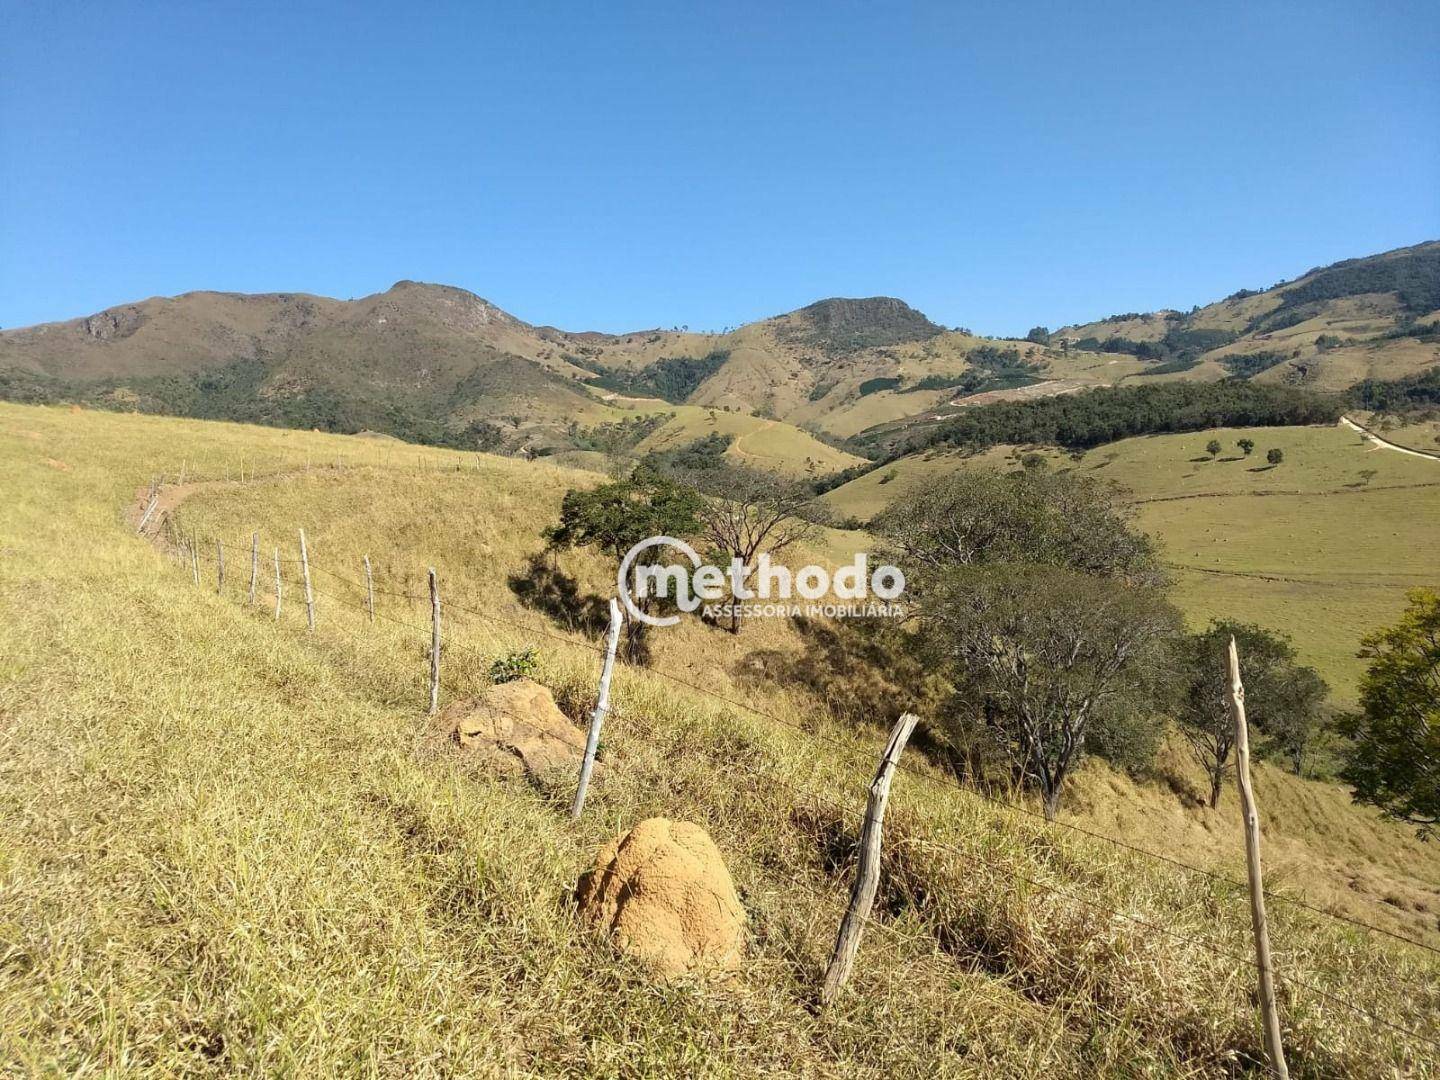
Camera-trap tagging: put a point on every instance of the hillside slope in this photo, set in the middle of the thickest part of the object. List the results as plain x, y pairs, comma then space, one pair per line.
227, 848
1321, 547
1373, 317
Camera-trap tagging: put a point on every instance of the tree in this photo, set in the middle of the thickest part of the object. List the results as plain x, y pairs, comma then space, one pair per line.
1394, 762
1212, 447
756, 512
1282, 698
1035, 516
615, 517
1246, 446
1291, 732
1041, 654
1041, 604
1275, 455
1039, 334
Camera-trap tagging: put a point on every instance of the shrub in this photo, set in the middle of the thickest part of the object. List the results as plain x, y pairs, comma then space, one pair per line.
515, 665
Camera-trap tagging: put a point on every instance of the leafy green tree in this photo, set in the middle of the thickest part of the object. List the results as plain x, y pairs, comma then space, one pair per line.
1282, 697
1394, 762
1275, 455
1034, 516
1041, 656
1041, 605
614, 517
1039, 334
1246, 446
1212, 447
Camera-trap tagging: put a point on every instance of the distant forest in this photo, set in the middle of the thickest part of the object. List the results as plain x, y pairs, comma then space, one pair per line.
1105, 414
673, 378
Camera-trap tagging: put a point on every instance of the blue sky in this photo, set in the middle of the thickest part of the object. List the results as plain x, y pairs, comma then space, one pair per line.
617, 166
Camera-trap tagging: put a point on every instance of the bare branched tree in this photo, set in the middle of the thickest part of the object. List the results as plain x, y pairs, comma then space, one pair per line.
751, 512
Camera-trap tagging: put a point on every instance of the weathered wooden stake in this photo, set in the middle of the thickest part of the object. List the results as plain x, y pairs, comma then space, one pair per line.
195, 562
369, 590
434, 643
149, 509
219, 566
254, 565
305, 573
867, 873
1269, 1014
597, 716
279, 585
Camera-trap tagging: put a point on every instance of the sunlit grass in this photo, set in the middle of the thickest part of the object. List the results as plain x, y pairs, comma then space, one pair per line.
224, 846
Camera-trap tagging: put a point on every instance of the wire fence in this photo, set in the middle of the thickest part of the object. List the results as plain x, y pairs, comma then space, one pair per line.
208, 551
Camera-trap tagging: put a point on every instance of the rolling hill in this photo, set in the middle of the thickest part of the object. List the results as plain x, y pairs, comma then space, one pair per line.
1376, 317
438, 364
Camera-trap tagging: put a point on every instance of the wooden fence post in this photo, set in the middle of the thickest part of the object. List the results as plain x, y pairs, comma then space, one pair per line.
597, 716
434, 643
195, 561
279, 585
149, 509
369, 590
219, 566
1270, 1015
867, 873
305, 574
254, 565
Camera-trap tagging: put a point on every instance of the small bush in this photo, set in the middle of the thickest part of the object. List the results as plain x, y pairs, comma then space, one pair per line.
516, 665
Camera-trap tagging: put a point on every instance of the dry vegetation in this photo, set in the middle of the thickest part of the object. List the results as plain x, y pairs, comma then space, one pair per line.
223, 848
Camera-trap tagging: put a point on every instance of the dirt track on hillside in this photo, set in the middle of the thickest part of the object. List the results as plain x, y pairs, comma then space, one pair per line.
169, 497
1383, 443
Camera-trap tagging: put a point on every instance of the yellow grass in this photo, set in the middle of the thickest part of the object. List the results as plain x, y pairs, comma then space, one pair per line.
1321, 547
223, 848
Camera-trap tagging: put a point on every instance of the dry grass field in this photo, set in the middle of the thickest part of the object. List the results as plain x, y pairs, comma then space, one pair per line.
225, 848
1322, 546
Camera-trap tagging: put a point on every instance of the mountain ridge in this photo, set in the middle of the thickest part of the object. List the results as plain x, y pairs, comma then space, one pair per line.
438, 362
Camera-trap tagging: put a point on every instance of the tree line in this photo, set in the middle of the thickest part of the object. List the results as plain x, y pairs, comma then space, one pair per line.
1106, 414
1041, 619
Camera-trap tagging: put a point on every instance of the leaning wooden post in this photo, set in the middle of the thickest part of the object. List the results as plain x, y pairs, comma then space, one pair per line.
867, 873
149, 509
279, 585
369, 590
219, 566
1270, 1015
254, 565
434, 643
597, 716
305, 574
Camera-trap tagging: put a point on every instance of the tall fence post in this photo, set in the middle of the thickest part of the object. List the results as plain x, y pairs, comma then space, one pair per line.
219, 566
369, 590
305, 574
1270, 1014
279, 585
867, 873
597, 717
254, 565
434, 643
